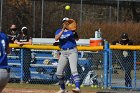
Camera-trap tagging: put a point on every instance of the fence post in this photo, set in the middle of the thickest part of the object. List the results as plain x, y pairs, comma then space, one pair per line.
110, 68
21, 60
135, 68
106, 59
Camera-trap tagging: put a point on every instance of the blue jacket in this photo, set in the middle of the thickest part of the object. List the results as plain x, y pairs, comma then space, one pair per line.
3, 48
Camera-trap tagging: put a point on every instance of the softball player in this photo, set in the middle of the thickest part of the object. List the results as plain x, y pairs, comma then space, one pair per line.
4, 69
69, 54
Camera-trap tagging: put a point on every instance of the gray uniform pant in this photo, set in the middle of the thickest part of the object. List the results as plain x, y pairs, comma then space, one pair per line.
4, 77
66, 56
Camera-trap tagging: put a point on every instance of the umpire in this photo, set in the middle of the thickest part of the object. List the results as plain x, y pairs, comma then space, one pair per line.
126, 58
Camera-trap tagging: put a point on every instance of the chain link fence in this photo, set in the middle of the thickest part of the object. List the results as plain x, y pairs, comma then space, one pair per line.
39, 67
123, 68
43, 65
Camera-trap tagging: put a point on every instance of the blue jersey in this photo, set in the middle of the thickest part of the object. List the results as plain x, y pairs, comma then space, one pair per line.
3, 47
67, 39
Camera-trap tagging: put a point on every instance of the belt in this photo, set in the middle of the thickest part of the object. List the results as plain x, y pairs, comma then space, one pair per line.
68, 48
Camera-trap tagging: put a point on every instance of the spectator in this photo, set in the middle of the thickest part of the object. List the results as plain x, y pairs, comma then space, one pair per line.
13, 33
127, 58
24, 39
4, 68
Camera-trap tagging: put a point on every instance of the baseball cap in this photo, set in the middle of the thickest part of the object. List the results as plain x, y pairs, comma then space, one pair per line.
23, 28
124, 36
65, 19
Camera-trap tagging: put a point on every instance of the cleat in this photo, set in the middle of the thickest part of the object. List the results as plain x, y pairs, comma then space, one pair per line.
76, 90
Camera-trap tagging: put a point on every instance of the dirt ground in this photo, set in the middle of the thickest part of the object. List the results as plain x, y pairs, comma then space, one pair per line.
17, 90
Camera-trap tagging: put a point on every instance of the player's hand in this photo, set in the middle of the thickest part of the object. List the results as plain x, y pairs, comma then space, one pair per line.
65, 24
20, 43
118, 44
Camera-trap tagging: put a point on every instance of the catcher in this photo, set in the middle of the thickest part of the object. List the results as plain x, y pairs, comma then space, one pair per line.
67, 42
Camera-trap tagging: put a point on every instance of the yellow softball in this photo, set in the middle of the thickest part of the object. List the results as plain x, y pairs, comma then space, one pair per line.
67, 7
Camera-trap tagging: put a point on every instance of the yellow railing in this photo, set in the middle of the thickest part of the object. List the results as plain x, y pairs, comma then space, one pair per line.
80, 48
51, 47
125, 47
